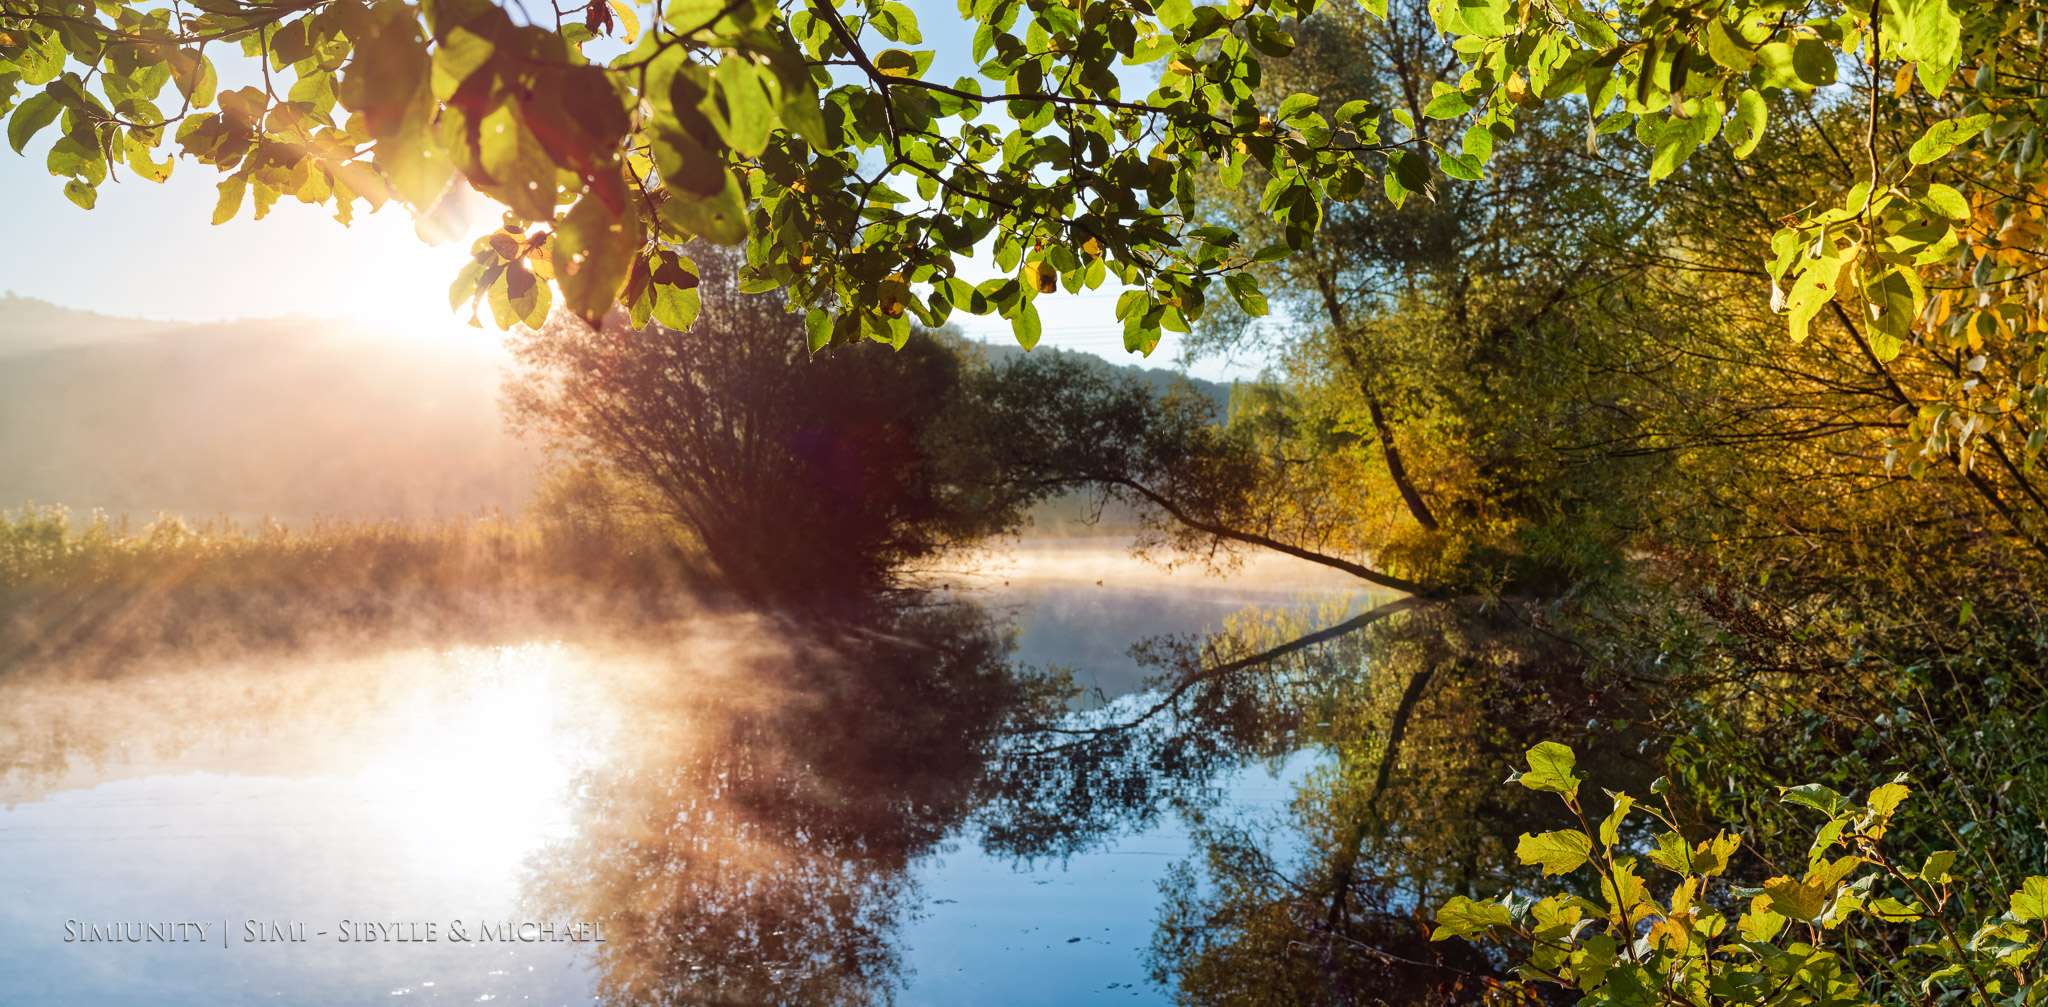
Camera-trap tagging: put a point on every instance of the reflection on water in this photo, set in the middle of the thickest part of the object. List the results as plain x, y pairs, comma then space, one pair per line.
1083, 602
753, 848
747, 811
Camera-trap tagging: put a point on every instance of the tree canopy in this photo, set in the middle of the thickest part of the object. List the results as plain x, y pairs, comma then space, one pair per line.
814, 133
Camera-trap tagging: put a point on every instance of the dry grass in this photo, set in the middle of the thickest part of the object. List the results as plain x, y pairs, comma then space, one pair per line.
99, 593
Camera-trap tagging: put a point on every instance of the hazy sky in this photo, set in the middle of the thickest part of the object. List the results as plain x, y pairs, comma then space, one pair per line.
148, 250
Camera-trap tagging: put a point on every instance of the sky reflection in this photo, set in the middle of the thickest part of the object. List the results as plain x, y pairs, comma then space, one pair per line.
748, 811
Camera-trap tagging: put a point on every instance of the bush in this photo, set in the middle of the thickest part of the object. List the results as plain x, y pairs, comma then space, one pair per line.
1849, 929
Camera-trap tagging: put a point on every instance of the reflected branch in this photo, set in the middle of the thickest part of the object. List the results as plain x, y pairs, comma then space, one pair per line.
1173, 697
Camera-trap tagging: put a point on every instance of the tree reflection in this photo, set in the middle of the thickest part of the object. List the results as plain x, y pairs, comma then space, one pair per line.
754, 849
1416, 711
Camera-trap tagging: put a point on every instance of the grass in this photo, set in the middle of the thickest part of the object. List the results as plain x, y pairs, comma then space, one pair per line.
101, 593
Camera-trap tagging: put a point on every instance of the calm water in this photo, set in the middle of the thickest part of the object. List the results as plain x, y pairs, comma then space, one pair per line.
743, 814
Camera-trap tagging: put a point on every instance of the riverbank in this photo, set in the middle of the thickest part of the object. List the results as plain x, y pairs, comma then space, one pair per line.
104, 592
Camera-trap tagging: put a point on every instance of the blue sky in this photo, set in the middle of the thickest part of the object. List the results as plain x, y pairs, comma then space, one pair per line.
148, 250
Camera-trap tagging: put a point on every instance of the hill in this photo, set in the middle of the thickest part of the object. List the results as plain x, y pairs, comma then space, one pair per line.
1159, 379
293, 419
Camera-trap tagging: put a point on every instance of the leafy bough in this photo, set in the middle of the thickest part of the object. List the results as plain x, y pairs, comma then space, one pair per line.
812, 131
1657, 929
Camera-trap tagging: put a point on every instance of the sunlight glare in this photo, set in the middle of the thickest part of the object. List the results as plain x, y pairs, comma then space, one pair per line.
475, 786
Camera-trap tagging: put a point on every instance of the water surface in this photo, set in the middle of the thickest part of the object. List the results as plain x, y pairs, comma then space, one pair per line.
742, 810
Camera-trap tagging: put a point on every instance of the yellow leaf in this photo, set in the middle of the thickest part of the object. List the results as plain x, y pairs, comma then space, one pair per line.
1517, 89
1760, 923
1884, 800
1711, 857
1041, 276
896, 63
892, 293
629, 23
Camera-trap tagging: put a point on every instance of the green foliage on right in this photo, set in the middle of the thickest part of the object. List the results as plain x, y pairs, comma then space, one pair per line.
1853, 926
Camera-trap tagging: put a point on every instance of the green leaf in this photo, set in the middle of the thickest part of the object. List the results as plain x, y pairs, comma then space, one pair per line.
818, 326
1244, 289
1675, 142
1610, 827
1774, 67
1891, 910
1448, 105
1817, 797
1462, 917
1895, 298
230, 202
1812, 289
719, 218
35, 112
674, 306
748, 115
1726, 49
1297, 106
1410, 175
1592, 30
1556, 852
1672, 853
1151, 49
516, 167
1933, 37
1946, 201
194, 75
1485, 18
82, 194
1478, 143
594, 251
1935, 869
902, 62
2031, 901
1025, 325
1746, 126
897, 23
1814, 61
1466, 167
1552, 768
1945, 136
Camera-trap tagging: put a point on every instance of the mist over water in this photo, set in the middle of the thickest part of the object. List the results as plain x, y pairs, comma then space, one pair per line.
746, 809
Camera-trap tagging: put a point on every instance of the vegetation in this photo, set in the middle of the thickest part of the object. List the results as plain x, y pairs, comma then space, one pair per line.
1558, 410
723, 122
1713, 455
1855, 928
802, 478
103, 594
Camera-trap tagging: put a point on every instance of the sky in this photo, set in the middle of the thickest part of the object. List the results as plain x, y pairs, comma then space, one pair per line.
148, 250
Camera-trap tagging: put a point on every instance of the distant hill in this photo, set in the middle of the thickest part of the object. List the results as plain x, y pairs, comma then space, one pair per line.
286, 418
291, 418
31, 326
1159, 379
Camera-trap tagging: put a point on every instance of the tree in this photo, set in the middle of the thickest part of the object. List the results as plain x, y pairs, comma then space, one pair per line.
803, 478
723, 122
1896, 934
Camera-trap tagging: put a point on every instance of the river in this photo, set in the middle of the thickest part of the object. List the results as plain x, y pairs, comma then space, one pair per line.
724, 811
